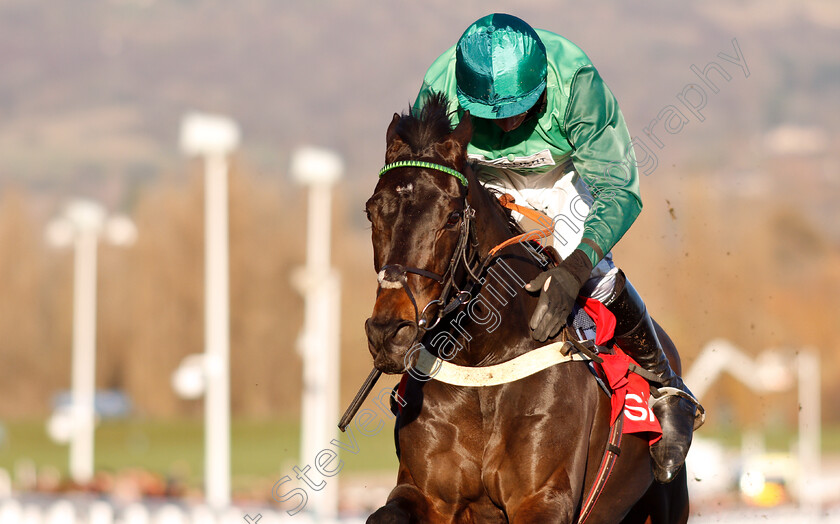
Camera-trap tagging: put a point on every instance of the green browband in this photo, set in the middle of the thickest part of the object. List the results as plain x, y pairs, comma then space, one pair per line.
427, 165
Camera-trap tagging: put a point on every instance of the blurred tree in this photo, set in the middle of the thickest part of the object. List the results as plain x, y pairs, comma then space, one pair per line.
34, 324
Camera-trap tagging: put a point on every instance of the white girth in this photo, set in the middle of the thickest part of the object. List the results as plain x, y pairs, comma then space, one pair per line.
520, 367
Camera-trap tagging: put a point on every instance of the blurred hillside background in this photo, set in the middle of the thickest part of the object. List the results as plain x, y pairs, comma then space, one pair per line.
739, 237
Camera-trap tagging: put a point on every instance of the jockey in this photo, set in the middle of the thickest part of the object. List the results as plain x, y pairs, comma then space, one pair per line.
548, 131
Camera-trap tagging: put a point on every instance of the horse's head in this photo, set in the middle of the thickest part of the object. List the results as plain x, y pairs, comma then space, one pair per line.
416, 215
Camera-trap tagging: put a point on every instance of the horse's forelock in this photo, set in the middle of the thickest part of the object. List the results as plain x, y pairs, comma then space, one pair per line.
421, 129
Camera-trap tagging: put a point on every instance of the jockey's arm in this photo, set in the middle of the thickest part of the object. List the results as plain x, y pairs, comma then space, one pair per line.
603, 156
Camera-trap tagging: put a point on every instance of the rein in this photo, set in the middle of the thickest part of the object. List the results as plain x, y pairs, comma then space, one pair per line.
542, 219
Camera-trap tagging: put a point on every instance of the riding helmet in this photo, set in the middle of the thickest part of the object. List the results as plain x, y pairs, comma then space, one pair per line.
500, 67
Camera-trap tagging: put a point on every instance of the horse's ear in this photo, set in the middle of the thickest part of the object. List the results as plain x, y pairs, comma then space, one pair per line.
453, 149
392, 129
394, 144
463, 132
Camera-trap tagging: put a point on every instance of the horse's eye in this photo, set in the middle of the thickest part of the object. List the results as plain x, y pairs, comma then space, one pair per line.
454, 217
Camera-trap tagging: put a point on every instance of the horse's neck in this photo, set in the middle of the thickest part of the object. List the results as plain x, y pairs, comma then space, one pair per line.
494, 325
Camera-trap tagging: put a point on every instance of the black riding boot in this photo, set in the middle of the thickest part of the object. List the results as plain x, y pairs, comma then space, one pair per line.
673, 405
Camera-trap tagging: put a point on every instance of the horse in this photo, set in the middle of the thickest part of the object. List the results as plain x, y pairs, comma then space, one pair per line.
526, 451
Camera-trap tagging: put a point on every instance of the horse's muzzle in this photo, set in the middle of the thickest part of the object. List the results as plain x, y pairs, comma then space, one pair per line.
389, 341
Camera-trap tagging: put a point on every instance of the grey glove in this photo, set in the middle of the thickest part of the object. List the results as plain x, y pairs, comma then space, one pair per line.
558, 288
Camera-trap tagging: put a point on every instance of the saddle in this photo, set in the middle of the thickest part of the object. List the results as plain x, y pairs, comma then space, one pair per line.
592, 325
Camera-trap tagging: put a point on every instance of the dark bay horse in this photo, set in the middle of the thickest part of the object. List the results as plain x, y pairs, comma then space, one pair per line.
526, 451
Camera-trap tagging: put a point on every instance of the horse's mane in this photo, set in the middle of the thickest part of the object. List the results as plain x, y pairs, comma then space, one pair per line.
512, 224
429, 124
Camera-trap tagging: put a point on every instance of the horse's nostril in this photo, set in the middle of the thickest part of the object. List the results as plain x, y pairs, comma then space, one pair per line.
390, 336
373, 332
404, 334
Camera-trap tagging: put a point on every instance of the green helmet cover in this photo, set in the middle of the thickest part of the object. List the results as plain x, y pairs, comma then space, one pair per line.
500, 67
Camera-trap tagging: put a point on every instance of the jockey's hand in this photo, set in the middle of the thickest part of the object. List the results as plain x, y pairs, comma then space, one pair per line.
558, 287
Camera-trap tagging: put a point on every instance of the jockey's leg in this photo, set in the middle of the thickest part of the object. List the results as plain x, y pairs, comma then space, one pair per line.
674, 406
669, 348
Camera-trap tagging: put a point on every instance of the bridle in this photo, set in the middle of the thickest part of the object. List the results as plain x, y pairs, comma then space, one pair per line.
461, 255
465, 254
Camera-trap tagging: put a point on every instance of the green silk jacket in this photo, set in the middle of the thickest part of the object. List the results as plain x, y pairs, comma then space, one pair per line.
581, 122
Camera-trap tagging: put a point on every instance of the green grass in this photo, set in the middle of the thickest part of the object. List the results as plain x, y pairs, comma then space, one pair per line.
775, 438
260, 450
